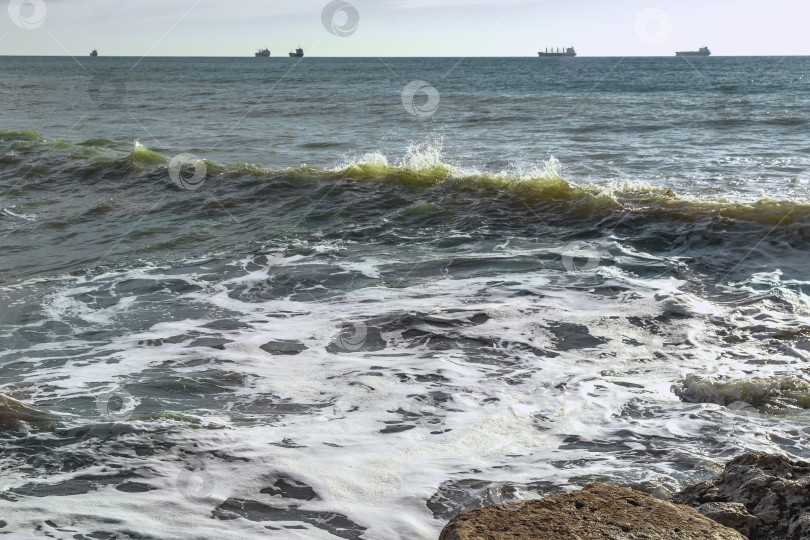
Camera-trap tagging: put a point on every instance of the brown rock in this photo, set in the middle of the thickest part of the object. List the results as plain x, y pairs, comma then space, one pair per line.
733, 515
599, 512
774, 489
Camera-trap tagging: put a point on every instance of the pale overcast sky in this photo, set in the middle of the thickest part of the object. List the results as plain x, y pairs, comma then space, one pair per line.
402, 27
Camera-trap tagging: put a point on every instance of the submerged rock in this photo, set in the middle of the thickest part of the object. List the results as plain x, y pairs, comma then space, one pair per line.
12, 412
773, 491
598, 512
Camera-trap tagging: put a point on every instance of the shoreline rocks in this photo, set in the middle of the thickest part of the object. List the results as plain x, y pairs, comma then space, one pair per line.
763, 496
598, 512
756, 497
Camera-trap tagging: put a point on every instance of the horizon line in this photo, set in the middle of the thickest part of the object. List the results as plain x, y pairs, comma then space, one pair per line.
673, 55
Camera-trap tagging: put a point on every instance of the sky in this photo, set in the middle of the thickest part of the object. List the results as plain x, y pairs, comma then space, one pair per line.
402, 27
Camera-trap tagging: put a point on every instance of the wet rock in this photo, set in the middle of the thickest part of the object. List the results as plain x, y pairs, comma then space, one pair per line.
733, 515
772, 488
598, 512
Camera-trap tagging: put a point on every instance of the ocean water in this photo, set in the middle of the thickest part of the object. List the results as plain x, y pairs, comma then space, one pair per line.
349, 298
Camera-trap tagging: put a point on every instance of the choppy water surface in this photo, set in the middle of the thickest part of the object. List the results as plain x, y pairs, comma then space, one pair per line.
341, 313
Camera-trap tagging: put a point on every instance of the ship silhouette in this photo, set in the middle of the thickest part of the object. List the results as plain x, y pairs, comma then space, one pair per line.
704, 51
558, 52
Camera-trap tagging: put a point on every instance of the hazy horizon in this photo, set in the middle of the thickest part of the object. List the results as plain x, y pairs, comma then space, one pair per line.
398, 28
285, 55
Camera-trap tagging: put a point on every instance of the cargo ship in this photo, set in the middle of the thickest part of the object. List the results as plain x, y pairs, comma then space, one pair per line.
263, 53
558, 52
299, 53
94, 53
704, 51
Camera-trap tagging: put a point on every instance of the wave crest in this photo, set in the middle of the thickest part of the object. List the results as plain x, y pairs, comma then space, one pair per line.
772, 393
422, 167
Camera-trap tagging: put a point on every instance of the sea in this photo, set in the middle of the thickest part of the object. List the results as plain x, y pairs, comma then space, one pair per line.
318, 298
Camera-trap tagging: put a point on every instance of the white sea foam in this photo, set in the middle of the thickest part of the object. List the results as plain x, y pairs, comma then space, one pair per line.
568, 384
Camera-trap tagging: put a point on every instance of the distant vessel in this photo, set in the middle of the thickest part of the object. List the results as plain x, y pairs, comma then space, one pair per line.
704, 51
299, 53
94, 53
558, 52
263, 52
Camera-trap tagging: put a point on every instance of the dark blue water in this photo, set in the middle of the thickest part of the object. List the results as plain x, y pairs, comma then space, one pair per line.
351, 297
727, 121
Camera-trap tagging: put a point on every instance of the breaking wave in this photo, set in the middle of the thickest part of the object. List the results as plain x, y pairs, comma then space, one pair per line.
423, 167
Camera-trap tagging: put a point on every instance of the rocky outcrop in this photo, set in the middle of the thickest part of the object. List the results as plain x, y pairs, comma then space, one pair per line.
763, 496
598, 512
733, 515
